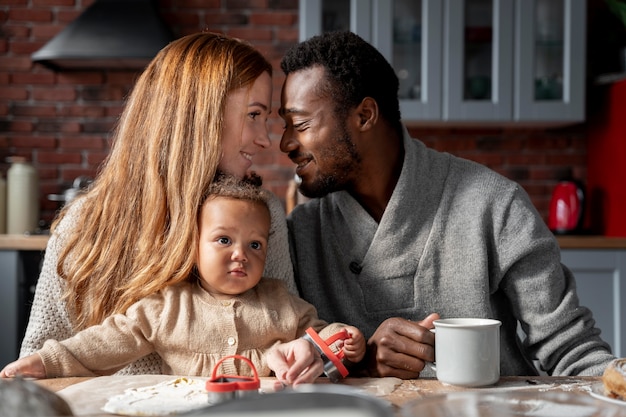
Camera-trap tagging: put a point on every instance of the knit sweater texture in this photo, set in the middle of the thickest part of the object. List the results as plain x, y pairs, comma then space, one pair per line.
191, 331
49, 317
457, 239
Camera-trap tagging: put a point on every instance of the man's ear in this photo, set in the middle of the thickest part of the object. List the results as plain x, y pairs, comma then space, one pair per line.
368, 113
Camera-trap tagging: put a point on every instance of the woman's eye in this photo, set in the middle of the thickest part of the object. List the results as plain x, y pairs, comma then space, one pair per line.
253, 115
255, 245
223, 240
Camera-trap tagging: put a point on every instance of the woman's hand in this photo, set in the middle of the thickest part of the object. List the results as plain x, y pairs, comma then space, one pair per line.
295, 362
28, 367
401, 347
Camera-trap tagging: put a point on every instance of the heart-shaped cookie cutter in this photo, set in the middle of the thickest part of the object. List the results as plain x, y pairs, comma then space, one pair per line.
227, 387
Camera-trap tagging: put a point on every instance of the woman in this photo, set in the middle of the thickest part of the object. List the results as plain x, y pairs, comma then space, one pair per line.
201, 105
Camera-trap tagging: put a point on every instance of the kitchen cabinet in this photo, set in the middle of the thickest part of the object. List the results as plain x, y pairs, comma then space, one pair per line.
472, 61
601, 285
20, 262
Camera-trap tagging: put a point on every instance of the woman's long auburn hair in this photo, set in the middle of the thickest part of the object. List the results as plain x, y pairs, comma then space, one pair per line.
137, 232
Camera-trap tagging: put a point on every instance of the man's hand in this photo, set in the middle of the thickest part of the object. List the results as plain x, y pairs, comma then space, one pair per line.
401, 347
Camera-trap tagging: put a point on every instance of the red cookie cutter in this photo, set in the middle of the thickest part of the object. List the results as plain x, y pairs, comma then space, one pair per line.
334, 368
227, 387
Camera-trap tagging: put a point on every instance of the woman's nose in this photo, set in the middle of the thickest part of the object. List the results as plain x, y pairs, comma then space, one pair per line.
263, 139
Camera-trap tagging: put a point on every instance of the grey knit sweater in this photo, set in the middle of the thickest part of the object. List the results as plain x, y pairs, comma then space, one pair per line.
458, 239
49, 318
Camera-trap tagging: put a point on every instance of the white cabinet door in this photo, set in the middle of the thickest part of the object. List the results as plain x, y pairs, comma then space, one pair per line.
317, 16
550, 60
413, 45
601, 285
478, 60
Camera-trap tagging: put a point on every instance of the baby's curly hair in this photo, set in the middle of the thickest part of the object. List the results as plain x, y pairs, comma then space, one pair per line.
354, 70
247, 188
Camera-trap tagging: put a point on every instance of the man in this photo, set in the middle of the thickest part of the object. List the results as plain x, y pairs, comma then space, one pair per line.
397, 234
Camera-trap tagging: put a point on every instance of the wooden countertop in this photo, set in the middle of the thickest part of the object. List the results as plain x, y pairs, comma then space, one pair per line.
591, 242
23, 242
38, 242
87, 395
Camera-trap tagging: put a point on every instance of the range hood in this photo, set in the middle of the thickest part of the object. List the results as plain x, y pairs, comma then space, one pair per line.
109, 34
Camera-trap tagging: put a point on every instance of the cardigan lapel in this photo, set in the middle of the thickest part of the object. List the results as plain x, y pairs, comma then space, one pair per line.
395, 246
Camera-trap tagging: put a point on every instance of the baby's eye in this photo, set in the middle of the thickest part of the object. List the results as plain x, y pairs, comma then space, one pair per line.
223, 240
256, 245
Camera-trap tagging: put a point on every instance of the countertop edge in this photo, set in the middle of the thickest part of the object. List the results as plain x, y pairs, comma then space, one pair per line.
591, 242
23, 242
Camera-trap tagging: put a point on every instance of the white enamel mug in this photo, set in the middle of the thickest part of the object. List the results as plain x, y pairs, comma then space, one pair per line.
467, 351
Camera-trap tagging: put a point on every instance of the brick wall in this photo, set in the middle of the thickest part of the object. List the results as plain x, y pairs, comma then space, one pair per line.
61, 120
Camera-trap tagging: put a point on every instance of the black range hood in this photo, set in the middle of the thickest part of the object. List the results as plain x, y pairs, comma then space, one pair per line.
109, 34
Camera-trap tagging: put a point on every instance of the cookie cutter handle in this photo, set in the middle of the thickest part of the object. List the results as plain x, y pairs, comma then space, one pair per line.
340, 335
241, 358
334, 368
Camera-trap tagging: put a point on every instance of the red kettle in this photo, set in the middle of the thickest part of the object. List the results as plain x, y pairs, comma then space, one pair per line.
566, 207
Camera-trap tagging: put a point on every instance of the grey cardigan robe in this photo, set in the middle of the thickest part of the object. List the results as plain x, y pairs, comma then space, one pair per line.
458, 239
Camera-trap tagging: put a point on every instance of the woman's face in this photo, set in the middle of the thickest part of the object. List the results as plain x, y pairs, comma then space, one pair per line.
245, 125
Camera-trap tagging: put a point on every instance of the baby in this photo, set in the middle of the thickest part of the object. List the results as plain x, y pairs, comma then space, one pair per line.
226, 307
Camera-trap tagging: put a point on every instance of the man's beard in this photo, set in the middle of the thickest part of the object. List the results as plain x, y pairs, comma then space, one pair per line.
345, 164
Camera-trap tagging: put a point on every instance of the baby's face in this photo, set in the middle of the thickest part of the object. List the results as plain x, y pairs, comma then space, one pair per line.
232, 245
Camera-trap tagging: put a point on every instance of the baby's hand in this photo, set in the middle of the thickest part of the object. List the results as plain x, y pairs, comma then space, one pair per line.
295, 362
354, 346
28, 367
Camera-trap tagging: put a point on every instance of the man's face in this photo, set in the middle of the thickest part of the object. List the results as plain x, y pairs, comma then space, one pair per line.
315, 138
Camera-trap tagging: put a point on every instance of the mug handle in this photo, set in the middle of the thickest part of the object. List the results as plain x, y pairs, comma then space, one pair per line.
432, 365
